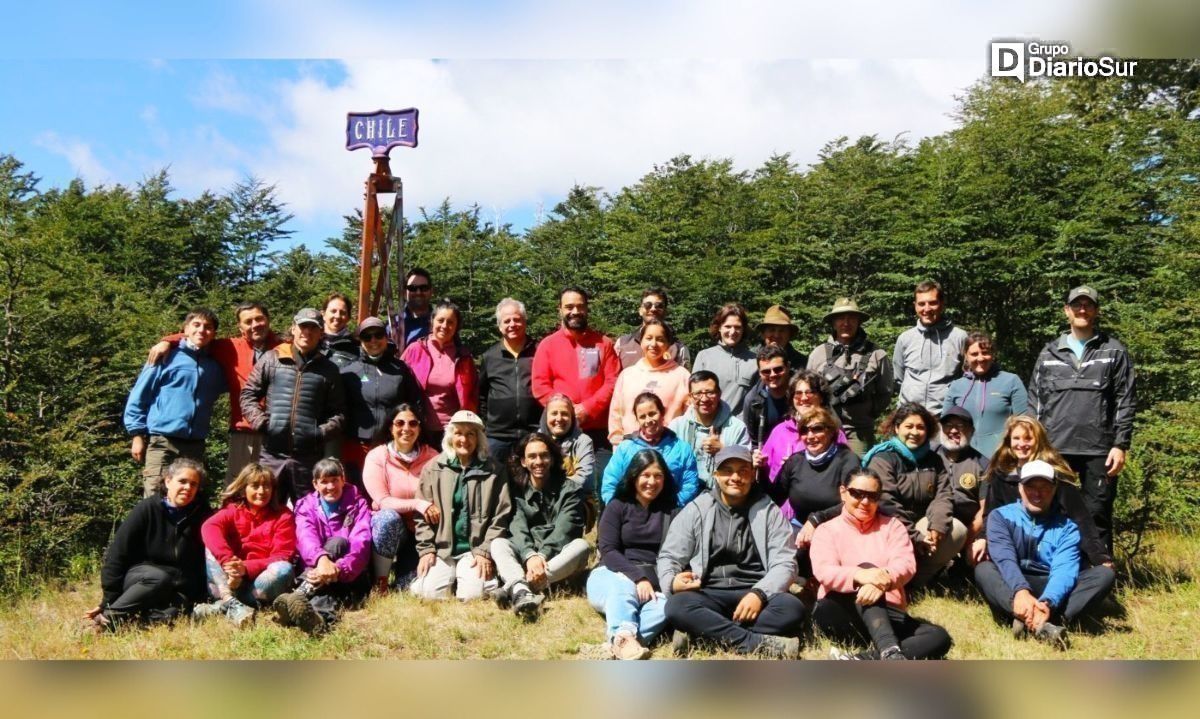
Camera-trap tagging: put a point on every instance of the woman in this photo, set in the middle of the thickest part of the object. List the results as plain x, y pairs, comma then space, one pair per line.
473, 509
731, 359
807, 390
392, 475
547, 544
249, 545
333, 535
811, 479
579, 457
338, 342
653, 434
624, 588
916, 489
376, 380
656, 372
444, 368
863, 559
1024, 439
988, 393
154, 567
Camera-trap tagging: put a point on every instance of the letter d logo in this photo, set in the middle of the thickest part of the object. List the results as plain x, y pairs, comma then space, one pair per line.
1008, 60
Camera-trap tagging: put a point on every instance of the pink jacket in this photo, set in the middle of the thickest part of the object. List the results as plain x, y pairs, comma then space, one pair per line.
669, 381
840, 545
466, 376
395, 485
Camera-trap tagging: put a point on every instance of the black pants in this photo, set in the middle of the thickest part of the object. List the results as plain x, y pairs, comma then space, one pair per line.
149, 591
844, 621
327, 600
1099, 492
1093, 585
293, 475
706, 614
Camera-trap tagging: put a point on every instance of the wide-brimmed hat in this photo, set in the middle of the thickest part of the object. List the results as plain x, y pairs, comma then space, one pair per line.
777, 316
846, 306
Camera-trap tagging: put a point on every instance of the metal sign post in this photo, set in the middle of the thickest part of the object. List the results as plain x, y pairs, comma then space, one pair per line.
381, 131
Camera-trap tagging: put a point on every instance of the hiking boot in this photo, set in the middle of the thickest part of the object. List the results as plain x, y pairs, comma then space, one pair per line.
200, 612
294, 609
892, 653
626, 646
239, 614
527, 605
773, 647
501, 596
681, 644
1019, 630
1053, 635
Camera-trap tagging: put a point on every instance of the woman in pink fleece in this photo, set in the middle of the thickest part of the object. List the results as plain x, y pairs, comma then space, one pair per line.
863, 560
655, 372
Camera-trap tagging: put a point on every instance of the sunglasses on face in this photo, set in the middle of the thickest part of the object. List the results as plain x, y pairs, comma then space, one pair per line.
370, 336
812, 429
654, 305
772, 371
417, 288
862, 495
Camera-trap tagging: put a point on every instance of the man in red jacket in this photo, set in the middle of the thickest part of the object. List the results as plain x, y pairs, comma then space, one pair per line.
581, 363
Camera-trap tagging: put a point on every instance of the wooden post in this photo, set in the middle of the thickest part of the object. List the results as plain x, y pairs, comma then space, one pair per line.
378, 181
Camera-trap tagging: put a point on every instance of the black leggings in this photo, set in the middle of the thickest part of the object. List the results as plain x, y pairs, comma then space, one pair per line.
150, 591
844, 621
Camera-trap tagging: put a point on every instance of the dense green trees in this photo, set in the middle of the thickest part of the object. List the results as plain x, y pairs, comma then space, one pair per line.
1039, 187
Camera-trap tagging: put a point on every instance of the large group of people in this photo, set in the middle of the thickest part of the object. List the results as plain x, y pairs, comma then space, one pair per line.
735, 501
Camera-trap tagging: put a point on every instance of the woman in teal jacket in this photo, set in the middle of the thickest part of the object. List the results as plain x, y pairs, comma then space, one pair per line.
988, 393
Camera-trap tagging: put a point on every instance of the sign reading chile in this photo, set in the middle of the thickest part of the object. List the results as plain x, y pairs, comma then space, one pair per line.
381, 130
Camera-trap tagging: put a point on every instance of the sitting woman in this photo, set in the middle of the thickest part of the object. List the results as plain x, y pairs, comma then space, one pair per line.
624, 588
333, 534
653, 434
472, 510
655, 372
579, 457
917, 490
392, 475
863, 560
249, 546
154, 567
808, 390
547, 544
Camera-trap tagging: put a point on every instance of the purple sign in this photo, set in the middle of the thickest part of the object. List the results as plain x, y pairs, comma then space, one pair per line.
381, 130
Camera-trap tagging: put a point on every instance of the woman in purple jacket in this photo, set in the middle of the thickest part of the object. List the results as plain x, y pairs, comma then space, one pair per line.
333, 537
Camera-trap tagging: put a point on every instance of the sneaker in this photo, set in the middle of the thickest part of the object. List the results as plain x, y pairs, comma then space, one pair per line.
773, 647
294, 609
626, 646
681, 644
892, 653
200, 612
599, 652
528, 605
842, 655
1053, 635
1019, 630
501, 596
239, 614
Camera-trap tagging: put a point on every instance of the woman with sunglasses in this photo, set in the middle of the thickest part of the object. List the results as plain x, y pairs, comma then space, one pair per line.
375, 382
392, 475
863, 559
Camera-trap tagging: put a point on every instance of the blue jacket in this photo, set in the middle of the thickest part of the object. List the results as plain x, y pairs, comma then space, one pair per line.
175, 397
990, 399
1019, 544
674, 451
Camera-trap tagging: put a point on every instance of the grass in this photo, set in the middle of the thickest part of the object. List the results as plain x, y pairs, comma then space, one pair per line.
1157, 616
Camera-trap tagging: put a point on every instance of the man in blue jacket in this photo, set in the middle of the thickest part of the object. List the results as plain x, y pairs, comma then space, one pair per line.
1034, 574
169, 410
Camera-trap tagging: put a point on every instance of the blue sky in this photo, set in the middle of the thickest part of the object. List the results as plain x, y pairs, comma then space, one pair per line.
518, 100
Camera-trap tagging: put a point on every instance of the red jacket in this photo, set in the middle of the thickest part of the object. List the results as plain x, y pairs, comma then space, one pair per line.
236, 357
556, 368
257, 538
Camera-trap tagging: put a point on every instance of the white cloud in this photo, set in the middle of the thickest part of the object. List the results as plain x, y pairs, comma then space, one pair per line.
79, 154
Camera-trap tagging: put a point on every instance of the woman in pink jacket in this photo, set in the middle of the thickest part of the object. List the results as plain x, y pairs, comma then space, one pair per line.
863, 559
444, 368
392, 476
655, 372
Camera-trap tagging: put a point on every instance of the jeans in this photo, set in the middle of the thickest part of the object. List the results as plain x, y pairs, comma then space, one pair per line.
1093, 585
1099, 492
615, 596
845, 621
276, 579
707, 614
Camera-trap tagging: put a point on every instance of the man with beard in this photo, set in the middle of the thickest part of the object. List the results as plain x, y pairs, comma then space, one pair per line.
967, 469
418, 295
629, 347
581, 363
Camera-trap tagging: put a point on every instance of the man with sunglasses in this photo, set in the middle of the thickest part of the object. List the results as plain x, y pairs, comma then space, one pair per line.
629, 347
768, 403
418, 302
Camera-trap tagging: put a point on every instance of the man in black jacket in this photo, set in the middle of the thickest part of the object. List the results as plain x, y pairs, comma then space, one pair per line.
295, 396
1082, 390
506, 402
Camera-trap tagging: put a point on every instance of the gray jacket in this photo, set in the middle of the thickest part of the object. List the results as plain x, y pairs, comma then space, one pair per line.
869, 367
926, 361
736, 370
689, 541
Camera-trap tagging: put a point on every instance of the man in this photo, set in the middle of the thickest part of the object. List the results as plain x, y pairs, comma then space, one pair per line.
629, 347
708, 425
768, 403
506, 400
1082, 390
858, 371
928, 357
778, 330
967, 468
237, 356
726, 564
581, 363
295, 396
418, 296
169, 411
1034, 574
